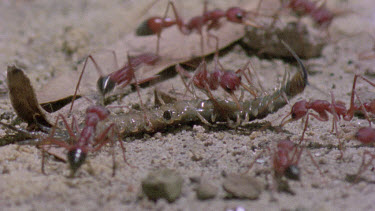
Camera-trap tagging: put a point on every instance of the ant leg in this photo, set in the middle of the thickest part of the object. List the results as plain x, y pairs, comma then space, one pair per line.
364, 110
182, 72
43, 161
256, 76
115, 61
123, 149
113, 155
241, 72
236, 101
251, 91
75, 125
367, 80
275, 17
314, 162
364, 165
283, 122
158, 43
258, 7
334, 121
97, 67
68, 128
138, 89
350, 112
304, 128
115, 131
254, 161
179, 21
216, 56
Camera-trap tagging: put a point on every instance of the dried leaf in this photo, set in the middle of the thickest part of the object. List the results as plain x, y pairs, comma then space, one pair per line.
24, 100
174, 48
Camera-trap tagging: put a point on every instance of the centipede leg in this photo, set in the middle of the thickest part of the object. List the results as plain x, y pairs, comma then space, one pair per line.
203, 120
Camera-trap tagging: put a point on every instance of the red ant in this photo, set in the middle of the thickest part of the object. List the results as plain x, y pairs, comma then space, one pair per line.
286, 165
285, 160
336, 108
123, 76
155, 25
320, 14
207, 81
366, 135
85, 142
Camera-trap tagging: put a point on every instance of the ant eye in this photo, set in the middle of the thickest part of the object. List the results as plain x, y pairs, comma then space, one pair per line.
167, 115
239, 16
294, 115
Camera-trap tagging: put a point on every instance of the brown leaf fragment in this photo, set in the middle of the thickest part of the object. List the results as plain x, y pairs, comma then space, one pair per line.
175, 48
23, 99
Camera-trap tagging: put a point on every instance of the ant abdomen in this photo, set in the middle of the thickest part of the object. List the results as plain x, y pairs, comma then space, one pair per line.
153, 26
230, 81
292, 172
105, 85
366, 135
76, 157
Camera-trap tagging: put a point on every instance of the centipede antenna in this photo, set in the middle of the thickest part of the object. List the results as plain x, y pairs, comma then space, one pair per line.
23, 132
304, 71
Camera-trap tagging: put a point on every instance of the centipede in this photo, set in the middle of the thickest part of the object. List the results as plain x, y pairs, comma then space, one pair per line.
213, 112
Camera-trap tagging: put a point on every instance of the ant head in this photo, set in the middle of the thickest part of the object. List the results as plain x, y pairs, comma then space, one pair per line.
105, 84
292, 172
235, 14
76, 158
230, 81
299, 110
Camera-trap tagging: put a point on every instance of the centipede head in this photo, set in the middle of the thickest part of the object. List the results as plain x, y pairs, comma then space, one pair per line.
292, 172
105, 84
76, 157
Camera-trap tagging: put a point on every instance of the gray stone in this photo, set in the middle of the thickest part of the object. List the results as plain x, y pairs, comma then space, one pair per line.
163, 183
242, 187
206, 190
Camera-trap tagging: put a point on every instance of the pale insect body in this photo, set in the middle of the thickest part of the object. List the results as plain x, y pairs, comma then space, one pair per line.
209, 111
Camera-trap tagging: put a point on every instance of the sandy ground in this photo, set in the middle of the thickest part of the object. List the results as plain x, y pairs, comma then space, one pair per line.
50, 37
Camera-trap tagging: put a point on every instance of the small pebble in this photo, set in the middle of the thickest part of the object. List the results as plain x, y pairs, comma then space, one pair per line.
242, 187
163, 183
206, 191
